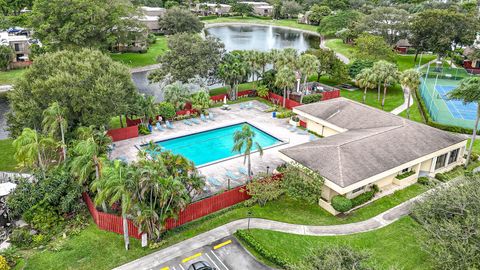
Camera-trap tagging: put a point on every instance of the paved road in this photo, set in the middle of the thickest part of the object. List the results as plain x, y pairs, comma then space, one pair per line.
225, 254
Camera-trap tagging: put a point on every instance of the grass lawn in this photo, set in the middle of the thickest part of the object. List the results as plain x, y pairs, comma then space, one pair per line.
391, 247
394, 97
337, 45
415, 113
267, 21
79, 254
115, 122
406, 61
7, 162
224, 89
9, 77
143, 59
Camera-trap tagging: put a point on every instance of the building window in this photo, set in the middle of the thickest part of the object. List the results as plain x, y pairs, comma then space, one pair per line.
453, 156
405, 170
441, 161
358, 189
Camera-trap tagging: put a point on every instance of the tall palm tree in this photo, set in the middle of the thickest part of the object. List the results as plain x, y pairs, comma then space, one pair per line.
263, 61
285, 79
114, 186
86, 160
469, 91
410, 79
233, 70
244, 141
54, 120
365, 79
33, 150
387, 73
308, 65
148, 107
274, 56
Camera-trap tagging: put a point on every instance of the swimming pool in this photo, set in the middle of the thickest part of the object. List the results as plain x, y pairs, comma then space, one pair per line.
213, 145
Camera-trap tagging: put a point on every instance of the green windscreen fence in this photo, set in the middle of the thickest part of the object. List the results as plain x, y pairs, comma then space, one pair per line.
437, 81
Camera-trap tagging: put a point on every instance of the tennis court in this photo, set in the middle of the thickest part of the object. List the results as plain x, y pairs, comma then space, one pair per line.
456, 107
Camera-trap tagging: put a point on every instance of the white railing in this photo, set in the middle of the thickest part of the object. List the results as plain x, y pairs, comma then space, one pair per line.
11, 176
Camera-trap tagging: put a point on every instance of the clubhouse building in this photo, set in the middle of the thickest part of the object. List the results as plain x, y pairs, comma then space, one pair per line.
364, 146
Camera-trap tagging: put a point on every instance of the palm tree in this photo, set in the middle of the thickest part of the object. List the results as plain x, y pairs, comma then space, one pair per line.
114, 186
365, 79
308, 64
253, 59
243, 141
201, 100
263, 60
285, 79
469, 91
86, 160
32, 149
287, 57
233, 70
410, 79
273, 57
148, 107
387, 73
53, 120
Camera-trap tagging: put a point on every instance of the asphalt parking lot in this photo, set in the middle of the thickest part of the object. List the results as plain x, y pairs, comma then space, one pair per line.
226, 254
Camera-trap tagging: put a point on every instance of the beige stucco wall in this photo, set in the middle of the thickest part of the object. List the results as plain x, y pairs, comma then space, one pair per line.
426, 165
320, 129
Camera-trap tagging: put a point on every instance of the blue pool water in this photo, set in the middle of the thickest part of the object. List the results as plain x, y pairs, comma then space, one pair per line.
213, 145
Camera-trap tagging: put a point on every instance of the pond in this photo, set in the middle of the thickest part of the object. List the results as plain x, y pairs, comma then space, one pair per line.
262, 37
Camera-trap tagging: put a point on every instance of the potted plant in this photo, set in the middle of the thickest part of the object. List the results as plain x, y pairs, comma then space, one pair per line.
294, 120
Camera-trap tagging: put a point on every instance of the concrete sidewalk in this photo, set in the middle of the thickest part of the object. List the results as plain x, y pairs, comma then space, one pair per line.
340, 56
228, 229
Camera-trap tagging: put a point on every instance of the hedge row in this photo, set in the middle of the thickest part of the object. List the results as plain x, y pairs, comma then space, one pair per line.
248, 239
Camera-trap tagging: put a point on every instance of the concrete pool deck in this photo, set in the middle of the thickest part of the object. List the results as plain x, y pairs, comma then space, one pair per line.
255, 116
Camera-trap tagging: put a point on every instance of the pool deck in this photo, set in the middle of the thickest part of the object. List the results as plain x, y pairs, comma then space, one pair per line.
255, 116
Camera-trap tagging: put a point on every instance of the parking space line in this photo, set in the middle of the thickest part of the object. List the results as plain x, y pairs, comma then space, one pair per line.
181, 267
219, 260
216, 266
192, 257
222, 244
166, 268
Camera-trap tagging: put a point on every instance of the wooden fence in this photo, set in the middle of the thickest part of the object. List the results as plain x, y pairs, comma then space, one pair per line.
119, 134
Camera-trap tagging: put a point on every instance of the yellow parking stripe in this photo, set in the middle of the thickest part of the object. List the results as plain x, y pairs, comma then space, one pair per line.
191, 257
222, 244
165, 268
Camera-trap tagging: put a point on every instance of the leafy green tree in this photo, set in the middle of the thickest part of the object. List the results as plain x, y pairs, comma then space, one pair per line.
410, 79
6, 56
32, 150
14, 7
201, 100
89, 85
178, 20
285, 79
189, 56
308, 65
329, 64
263, 189
286, 58
357, 66
331, 24
302, 183
290, 9
243, 141
374, 48
166, 110
176, 94
387, 74
449, 219
264, 60
242, 8
253, 60
391, 23
54, 121
115, 186
469, 91
317, 13
336, 4
365, 79
233, 70
439, 30
94, 24
334, 257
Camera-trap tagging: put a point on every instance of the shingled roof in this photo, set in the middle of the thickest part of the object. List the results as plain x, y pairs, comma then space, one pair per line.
375, 141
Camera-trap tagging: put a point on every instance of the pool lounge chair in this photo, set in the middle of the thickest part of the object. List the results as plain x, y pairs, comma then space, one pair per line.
242, 106
243, 171
202, 117
214, 181
169, 125
302, 131
313, 138
158, 127
211, 116
186, 122
231, 175
250, 105
195, 121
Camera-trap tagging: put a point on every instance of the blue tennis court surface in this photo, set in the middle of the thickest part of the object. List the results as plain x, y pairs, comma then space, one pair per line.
456, 107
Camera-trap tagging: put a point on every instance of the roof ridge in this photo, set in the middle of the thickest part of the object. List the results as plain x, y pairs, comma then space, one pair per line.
340, 166
374, 133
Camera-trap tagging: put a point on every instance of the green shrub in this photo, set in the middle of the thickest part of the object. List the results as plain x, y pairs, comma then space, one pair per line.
375, 188
285, 114
362, 198
43, 217
474, 157
423, 180
312, 98
441, 177
341, 204
21, 237
262, 91
151, 38
143, 130
405, 175
248, 239
166, 110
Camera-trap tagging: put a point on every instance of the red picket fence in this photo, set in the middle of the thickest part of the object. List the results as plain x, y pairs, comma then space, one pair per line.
123, 133
277, 99
330, 94
221, 97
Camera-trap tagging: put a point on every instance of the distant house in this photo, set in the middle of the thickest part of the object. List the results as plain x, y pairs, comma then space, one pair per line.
473, 65
20, 45
402, 46
206, 9
150, 17
364, 146
303, 18
260, 8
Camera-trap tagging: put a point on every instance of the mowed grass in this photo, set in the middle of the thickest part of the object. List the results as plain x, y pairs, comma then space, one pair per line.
337, 45
11, 76
415, 113
392, 247
7, 161
292, 23
79, 251
394, 97
143, 59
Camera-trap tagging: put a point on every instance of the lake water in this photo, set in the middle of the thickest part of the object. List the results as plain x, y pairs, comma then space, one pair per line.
262, 38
